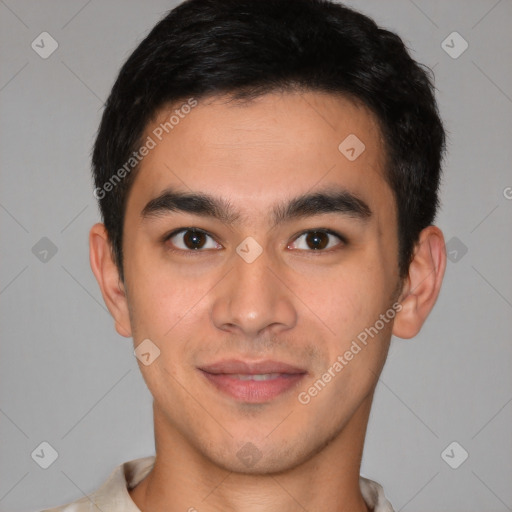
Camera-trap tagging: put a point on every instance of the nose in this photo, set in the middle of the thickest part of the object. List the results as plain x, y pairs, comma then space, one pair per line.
253, 298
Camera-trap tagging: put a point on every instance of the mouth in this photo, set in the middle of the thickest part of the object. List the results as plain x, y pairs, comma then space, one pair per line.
253, 382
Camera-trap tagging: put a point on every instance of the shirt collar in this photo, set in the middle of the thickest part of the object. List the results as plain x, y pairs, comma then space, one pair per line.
113, 495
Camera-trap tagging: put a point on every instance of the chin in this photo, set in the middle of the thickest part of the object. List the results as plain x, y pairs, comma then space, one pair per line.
260, 458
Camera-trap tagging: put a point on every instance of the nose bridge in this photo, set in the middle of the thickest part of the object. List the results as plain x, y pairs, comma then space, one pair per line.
251, 297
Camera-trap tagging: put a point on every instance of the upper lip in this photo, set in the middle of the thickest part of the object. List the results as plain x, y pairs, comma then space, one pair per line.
236, 366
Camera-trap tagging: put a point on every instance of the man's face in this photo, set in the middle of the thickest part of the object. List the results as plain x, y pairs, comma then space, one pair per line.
266, 281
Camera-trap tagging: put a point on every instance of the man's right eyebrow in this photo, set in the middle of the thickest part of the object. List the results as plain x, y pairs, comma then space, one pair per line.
190, 202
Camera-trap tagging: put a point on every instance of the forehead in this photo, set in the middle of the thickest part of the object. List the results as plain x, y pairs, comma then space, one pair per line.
278, 145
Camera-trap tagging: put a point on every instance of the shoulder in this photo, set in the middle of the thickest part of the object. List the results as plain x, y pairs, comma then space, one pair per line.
373, 495
77, 506
113, 494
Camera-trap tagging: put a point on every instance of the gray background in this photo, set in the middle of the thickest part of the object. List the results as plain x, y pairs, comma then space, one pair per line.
68, 379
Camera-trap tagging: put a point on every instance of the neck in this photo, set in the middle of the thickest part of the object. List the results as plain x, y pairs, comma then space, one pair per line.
182, 479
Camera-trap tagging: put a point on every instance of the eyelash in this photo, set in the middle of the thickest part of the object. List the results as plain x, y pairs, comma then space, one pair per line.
196, 252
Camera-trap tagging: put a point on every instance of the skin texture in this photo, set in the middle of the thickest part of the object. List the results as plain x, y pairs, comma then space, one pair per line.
293, 303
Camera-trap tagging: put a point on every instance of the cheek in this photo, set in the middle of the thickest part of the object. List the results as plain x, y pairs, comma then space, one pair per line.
166, 307
155, 304
352, 299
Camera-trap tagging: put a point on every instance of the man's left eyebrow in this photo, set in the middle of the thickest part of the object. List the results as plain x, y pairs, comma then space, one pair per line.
329, 201
337, 200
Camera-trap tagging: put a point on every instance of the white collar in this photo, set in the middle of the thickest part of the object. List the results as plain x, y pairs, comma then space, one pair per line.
113, 495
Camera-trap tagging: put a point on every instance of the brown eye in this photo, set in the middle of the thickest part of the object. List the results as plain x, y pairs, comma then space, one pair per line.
194, 239
317, 240
188, 240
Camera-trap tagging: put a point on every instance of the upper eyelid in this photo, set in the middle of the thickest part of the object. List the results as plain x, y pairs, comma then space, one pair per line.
175, 232
184, 230
320, 230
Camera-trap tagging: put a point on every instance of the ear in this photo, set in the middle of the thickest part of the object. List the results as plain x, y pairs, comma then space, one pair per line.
107, 275
422, 284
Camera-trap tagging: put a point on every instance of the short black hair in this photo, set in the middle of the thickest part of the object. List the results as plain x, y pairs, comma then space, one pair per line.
248, 48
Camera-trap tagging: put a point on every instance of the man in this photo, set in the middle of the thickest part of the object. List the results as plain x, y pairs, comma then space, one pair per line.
267, 173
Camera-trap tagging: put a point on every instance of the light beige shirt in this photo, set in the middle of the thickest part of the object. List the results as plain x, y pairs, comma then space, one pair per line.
113, 495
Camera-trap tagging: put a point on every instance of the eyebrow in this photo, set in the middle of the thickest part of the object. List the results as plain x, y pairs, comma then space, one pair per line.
337, 200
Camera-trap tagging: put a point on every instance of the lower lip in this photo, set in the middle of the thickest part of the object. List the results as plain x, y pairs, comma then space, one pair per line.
254, 391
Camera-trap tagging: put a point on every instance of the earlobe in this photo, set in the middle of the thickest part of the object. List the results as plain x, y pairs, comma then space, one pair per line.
107, 275
423, 283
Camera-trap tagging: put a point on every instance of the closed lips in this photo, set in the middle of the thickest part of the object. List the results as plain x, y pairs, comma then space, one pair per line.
261, 370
